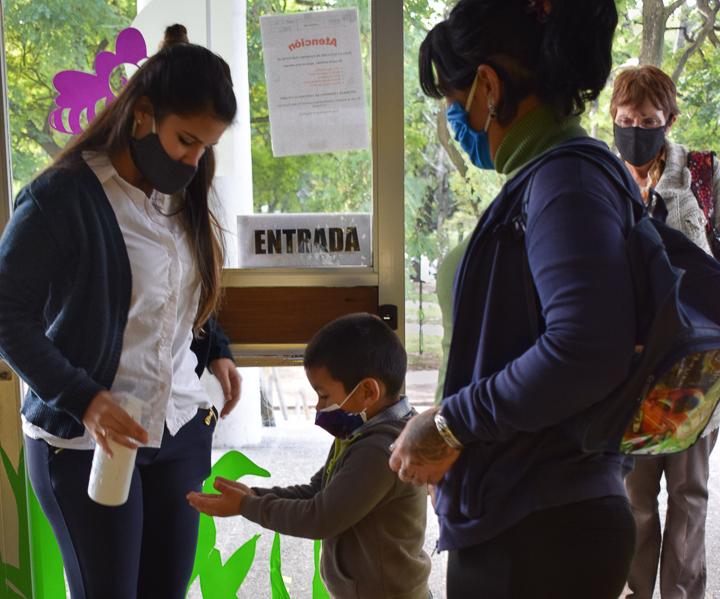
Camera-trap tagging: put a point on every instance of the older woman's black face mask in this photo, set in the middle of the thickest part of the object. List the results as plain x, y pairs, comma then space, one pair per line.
639, 146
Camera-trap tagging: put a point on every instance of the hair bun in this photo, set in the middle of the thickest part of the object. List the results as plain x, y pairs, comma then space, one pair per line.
175, 34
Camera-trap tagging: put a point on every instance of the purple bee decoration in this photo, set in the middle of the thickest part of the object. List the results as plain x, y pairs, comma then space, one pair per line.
79, 93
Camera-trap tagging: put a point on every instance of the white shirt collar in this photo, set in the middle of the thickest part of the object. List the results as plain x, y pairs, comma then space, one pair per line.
99, 163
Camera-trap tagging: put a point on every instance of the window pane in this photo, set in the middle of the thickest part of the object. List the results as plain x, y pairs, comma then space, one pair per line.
42, 39
444, 198
283, 188
325, 182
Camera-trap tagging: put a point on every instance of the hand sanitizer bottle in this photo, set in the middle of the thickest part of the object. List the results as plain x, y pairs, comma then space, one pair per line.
110, 477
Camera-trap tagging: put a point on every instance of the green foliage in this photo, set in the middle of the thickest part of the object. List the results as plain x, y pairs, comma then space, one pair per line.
443, 204
216, 579
222, 581
17, 580
698, 90
431, 310
41, 39
699, 123
47, 566
432, 349
277, 584
318, 586
36, 544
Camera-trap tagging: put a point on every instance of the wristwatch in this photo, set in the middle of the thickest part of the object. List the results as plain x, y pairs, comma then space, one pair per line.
448, 436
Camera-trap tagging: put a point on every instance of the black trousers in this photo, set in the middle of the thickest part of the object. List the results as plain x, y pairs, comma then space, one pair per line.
143, 549
577, 551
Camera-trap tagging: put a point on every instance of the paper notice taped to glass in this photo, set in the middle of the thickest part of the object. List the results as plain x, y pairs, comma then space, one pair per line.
315, 82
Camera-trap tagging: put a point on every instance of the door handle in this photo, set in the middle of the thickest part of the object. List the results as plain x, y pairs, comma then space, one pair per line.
389, 315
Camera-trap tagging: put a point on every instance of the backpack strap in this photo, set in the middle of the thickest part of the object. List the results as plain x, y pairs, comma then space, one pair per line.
519, 223
700, 165
635, 208
532, 301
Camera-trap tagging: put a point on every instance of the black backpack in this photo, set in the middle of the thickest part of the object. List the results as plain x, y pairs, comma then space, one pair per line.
670, 396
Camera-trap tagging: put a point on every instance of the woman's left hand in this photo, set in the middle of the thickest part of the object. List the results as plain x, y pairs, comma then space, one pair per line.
227, 373
420, 455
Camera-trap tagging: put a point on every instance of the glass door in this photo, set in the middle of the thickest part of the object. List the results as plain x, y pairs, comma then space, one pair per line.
273, 309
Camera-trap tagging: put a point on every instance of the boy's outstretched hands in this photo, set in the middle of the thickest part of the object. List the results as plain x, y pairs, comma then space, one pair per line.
227, 503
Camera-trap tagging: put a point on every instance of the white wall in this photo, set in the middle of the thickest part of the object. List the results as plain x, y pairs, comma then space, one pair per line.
220, 25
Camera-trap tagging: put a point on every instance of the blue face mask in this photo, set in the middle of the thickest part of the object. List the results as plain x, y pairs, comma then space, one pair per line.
475, 143
338, 422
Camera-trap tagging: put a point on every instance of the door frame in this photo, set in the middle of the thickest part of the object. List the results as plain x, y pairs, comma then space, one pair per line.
5, 158
387, 275
11, 529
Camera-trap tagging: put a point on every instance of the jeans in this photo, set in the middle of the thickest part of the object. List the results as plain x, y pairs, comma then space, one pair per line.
143, 549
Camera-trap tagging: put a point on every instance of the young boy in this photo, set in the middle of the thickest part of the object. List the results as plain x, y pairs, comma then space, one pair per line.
371, 524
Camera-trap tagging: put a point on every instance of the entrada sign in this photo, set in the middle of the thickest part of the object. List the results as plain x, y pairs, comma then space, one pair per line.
304, 240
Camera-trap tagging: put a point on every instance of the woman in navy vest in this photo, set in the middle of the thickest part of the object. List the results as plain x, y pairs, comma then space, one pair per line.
109, 276
543, 310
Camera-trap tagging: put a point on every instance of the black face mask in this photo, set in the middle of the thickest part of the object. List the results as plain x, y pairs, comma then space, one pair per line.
164, 173
639, 146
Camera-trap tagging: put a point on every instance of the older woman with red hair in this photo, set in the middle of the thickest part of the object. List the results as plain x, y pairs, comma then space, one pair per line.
683, 189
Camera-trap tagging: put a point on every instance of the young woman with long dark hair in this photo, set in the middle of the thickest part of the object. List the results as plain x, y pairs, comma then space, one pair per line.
109, 276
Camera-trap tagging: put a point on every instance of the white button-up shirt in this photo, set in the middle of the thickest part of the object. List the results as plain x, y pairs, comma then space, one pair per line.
156, 363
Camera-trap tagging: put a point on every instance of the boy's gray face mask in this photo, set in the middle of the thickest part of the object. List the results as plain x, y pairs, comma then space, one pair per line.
163, 172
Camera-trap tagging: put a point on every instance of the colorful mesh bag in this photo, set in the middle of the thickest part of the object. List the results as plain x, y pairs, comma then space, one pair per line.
669, 398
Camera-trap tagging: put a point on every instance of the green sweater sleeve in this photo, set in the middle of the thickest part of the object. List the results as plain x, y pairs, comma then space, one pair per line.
358, 485
445, 280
